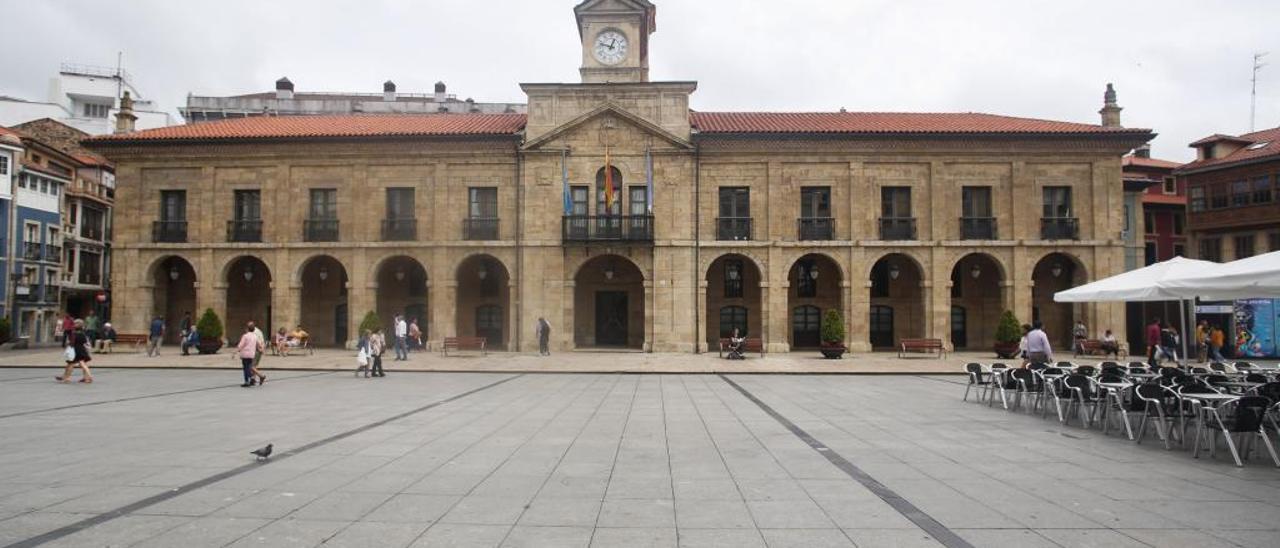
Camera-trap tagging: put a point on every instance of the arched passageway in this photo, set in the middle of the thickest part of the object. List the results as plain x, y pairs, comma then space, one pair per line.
1053, 273
815, 282
402, 289
977, 300
174, 295
248, 295
897, 301
325, 312
484, 300
733, 298
608, 304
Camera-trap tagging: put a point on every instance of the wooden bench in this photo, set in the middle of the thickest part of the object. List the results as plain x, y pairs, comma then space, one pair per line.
1093, 347
463, 343
922, 346
750, 344
137, 340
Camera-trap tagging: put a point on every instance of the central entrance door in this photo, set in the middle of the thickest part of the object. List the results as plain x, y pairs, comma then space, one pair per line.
611, 318
881, 326
806, 327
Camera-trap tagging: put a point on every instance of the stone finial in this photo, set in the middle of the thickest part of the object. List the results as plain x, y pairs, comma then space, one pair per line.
125, 118
1110, 110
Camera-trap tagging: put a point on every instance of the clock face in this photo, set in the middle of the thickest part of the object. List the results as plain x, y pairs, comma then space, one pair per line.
610, 47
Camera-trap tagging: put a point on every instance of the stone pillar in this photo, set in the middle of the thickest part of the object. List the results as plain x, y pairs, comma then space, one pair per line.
444, 307
778, 315
565, 338
702, 315
650, 332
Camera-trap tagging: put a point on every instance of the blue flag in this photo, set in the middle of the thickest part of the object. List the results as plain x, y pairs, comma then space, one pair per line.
648, 179
564, 179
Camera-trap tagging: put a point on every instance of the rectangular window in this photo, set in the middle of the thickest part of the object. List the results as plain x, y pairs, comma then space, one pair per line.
616, 208
1148, 221
806, 282
1128, 218
1170, 185
1057, 202
815, 202
4, 165
173, 205
1262, 190
735, 202
1244, 246
248, 205
1211, 249
1179, 250
1196, 199
44, 186
975, 201
90, 268
400, 203
92, 223
1149, 254
324, 204
482, 203
639, 201
22, 181
1273, 241
1219, 196
733, 279
578, 195
1240, 193
1178, 221
94, 110
895, 202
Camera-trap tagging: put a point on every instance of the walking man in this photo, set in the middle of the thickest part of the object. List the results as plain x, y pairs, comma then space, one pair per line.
543, 332
1153, 342
257, 357
157, 333
402, 334
1038, 348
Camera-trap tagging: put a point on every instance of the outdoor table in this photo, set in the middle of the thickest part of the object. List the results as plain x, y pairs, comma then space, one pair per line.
1240, 386
1203, 402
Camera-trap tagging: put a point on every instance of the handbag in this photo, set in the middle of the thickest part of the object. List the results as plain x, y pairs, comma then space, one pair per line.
70, 353
362, 358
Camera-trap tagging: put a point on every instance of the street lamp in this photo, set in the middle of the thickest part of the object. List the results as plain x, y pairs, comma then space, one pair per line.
894, 272
813, 272
483, 272
1056, 270
324, 273
608, 270
976, 271
400, 274
248, 273
173, 273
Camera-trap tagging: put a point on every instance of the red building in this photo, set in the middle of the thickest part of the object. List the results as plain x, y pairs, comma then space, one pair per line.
1164, 205
1233, 210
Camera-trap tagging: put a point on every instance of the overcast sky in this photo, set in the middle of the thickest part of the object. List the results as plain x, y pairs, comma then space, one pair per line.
1180, 67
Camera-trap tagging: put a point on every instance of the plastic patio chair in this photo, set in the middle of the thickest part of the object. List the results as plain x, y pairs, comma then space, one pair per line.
1243, 417
978, 376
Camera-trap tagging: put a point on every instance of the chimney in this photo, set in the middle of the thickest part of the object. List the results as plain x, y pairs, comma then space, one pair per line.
1143, 151
389, 91
125, 117
440, 94
284, 88
1110, 110
471, 105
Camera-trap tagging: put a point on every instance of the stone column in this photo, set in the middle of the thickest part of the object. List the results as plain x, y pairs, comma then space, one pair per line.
650, 332
778, 316
444, 308
565, 338
702, 314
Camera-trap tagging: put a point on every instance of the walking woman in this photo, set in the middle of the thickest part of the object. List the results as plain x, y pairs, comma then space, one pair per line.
247, 349
77, 350
362, 354
377, 344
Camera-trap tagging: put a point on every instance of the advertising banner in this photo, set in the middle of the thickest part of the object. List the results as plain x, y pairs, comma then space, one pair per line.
1255, 328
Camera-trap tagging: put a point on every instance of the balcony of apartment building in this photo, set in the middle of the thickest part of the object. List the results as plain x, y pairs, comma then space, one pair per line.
733, 228
480, 228
244, 230
403, 229
1059, 228
897, 228
32, 251
607, 228
53, 253
169, 232
978, 228
320, 230
816, 228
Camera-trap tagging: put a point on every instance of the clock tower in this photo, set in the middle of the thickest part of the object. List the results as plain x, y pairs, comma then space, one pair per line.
615, 39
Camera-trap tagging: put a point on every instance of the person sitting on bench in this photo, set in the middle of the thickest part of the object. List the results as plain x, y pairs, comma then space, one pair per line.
1109, 345
736, 343
106, 338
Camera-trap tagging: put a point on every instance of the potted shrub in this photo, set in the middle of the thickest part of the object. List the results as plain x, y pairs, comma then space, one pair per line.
1008, 334
370, 322
210, 328
832, 346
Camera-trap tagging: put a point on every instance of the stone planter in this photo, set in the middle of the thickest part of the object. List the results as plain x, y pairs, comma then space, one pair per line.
209, 346
1006, 350
832, 351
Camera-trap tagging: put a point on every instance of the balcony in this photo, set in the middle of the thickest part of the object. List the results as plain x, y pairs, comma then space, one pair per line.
53, 253
897, 228
244, 231
480, 228
91, 233
169, 231
320, 230
816, 228
607, 228
32, 251
1060, 228
90, 278
733, 228
978, 228
397, 230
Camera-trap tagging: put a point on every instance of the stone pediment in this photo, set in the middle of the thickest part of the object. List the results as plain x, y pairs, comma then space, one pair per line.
598, 117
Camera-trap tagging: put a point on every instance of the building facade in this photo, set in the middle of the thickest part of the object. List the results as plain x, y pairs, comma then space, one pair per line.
87, 98
11, 153
623, 217
1233, 201
285, 102
37, 270
1156, 229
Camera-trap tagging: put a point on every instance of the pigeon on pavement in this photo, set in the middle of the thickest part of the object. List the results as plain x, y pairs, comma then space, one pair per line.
263, 453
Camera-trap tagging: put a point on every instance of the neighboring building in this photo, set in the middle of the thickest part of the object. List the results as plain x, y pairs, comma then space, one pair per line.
1233, 201
45, 173
10, 160
284, 102
86, 98
1157, 231
910, 225
86, 212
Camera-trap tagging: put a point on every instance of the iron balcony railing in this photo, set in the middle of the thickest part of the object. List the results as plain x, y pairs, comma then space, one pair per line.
91, 232
169, 231
978, 228
897, 228
241, 230
399, 230
480, 228
90, 278
1060, 228
733, 228
32, 251
610, 228
816, 228
53, 253
320, 230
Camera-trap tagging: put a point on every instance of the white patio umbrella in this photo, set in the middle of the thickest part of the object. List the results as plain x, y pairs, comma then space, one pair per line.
1149, 283
1256, 277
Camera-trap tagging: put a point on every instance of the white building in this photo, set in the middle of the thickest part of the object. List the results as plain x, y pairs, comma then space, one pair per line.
86, 98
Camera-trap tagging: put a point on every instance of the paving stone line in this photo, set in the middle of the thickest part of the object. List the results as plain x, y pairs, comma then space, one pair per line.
156, 499
931, 526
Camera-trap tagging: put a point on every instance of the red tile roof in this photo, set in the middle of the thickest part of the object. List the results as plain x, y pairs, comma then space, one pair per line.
888, 123
1215, 138
1268, 139
10, 136
1132, 160
307, 127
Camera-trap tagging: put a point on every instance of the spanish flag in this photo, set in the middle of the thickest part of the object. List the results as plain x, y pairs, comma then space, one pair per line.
608, 183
